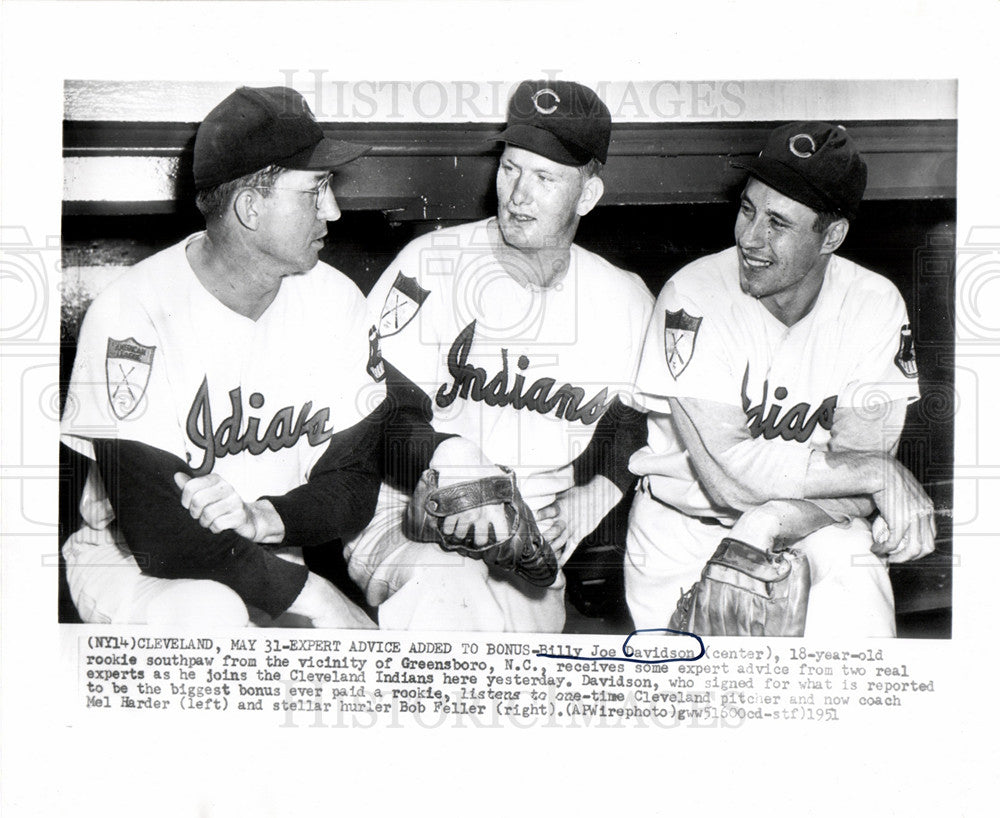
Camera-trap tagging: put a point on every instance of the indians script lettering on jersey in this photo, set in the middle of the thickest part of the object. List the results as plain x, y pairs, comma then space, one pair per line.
798, 423
470, 382
283, 432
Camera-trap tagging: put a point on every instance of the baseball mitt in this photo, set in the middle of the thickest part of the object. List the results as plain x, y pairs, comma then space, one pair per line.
744, 591
524, 552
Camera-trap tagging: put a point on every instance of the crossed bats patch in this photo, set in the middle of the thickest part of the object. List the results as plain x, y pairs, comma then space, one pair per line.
679, 336
404, 300
127, 364
402, 303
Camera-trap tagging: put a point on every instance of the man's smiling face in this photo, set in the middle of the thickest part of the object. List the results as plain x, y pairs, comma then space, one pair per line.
778, 249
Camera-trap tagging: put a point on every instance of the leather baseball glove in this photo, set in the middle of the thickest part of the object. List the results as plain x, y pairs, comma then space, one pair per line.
744, 591
524, 552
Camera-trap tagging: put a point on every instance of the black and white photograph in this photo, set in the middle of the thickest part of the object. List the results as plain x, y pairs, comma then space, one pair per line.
610, 384
510, 352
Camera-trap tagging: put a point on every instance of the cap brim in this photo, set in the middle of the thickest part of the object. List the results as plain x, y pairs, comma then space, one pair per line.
325, 154
543, 143
786, 181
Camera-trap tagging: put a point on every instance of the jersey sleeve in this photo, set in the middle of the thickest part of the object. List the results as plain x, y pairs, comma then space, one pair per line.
167, 542
410, 439
120, 387
338, 499
620, 432
687, 351
402, 327
886, 363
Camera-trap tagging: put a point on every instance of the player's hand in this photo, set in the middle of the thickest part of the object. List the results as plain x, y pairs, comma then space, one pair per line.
759, 526
485, 525
907, 512
456, 460
214, 503
574, 514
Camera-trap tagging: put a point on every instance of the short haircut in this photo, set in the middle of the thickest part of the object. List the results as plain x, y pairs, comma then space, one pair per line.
214, 201
592, 168
824, 218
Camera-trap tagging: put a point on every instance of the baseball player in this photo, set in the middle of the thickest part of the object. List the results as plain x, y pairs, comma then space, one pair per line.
229, 366
523, 346
778, 375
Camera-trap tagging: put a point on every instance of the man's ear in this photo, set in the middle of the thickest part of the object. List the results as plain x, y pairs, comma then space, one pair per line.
834, 236
591, 194
246, 208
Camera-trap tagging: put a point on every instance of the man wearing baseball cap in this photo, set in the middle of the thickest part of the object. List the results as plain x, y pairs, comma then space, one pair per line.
522, 346
229, 366
777, 375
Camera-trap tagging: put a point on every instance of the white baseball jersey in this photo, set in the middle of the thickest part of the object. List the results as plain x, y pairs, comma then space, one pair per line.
523, 372
163, 362
709, 340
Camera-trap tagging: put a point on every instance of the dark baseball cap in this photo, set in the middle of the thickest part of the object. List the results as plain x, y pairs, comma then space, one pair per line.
815, 163
562, 121
256, 127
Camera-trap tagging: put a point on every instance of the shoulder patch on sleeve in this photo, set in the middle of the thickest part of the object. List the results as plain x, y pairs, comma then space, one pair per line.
680, 333
401, 304
906, 357
376, 364
127, 364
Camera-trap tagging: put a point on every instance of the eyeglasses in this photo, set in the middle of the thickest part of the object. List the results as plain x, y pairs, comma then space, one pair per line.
320, 191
